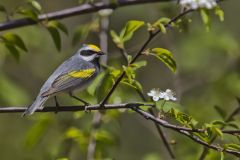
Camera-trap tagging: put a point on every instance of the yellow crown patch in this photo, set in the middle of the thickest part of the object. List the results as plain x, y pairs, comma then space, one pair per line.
94, 47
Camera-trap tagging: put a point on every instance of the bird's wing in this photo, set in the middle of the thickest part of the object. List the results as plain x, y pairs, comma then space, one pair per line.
70, 79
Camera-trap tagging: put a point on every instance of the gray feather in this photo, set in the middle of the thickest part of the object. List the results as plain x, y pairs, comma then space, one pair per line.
74, 63
37, 104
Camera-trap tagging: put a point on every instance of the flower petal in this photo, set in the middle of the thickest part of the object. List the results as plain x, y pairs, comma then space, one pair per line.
155, 98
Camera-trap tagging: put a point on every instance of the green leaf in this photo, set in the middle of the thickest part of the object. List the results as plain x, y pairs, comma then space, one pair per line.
30, 13
152, 156
164, 20
217, 131
161, 24
73, 133
233, 125
77, 135
129, 29
203, 137
137, 85
115, 72
232, 146
162, 28
116, 39
173, 112
178, 115
58, 25
78, 115
35, 134
103, 136
93, 86
13, 50
145, 108
166, 57
55, 36
134, 84
205, 18
63, 158
129, 58
35, 5
138, 65
129, 73
183, 118
106, 84
168, 105
220, 123
13, 40
220, 13
212, 129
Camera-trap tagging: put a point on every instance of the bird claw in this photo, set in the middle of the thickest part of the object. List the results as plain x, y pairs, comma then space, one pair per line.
86, 108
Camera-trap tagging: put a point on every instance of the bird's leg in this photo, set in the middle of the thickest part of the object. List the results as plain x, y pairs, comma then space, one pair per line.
79, 99
57, 104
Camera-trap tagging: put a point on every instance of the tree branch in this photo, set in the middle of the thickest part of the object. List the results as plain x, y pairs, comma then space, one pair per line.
70, 12
228, 119
161, 132
176, 127
150, 38
73, 108
163, 136
186, 132
133, 106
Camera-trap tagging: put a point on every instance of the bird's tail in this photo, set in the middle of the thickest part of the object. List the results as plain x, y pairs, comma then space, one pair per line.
37, 104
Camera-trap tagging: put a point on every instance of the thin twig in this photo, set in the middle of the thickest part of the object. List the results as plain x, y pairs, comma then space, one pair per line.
70, 12
166, 124
73, 108
124, 54
159, 129
115, 106
163, 137
228, 119
150, 38
185, 132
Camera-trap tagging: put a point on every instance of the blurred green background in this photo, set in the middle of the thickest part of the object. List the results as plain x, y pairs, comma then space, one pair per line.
208, 75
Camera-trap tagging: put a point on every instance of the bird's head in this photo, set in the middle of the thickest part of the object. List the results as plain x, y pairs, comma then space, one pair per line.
90, 52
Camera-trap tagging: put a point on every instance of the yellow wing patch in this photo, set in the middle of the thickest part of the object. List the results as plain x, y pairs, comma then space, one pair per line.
93, 47
86, 73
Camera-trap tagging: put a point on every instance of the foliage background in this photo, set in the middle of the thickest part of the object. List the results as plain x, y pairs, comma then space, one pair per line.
208, 75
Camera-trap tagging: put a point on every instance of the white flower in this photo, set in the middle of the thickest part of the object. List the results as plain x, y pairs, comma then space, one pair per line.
168, 95
156, 94
195, 4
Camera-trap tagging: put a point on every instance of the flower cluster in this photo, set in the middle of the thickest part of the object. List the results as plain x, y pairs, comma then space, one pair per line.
156, 94
195, 4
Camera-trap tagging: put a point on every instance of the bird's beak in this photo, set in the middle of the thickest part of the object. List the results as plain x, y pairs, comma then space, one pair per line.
101, 53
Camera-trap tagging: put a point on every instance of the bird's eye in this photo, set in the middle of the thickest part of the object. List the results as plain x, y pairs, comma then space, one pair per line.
87, 53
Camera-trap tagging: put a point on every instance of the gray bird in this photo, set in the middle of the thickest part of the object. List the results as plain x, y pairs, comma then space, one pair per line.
74, 73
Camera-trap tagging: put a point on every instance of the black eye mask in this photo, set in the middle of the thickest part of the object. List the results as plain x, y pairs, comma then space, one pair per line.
87, 53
